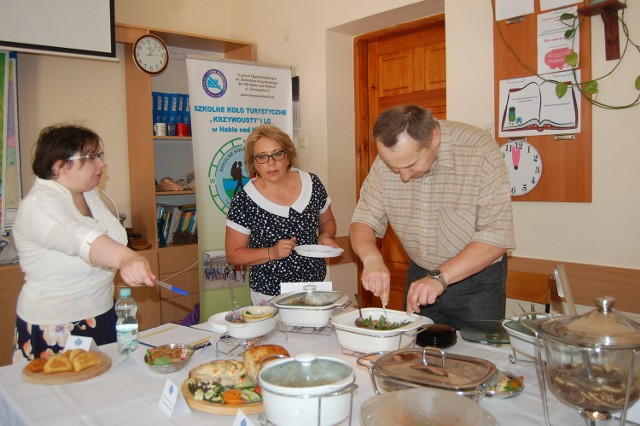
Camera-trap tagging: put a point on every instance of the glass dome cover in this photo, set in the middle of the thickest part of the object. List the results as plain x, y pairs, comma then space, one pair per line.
600, 327
309, 297
308, 374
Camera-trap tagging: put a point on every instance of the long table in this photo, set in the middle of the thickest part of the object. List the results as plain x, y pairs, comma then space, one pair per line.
129, 393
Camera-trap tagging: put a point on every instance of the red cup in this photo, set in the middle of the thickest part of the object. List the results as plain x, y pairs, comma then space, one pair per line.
183, 129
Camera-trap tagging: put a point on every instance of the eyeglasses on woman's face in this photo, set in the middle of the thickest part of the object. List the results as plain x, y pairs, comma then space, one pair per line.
93, 157
264, 158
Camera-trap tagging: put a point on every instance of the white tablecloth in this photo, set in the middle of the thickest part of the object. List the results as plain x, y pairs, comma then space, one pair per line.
129, 392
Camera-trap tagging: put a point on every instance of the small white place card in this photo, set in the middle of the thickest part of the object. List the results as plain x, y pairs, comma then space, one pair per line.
172, 400
80, 342
320, 286
242, 419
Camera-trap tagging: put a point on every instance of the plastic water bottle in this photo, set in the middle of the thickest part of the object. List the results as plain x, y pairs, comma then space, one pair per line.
127, 325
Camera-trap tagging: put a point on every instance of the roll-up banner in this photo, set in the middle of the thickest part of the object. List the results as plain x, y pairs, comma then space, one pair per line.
228, 99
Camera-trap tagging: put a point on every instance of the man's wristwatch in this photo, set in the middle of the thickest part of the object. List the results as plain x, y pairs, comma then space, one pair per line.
437, 275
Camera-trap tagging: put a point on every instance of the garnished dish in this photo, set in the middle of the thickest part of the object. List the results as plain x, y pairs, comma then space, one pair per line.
226, 385
257, 313
507, 386
380, 324
168, 358
250, 314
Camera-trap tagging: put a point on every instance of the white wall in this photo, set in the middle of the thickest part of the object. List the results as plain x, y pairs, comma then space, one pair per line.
54, 89
315, 40
605, 231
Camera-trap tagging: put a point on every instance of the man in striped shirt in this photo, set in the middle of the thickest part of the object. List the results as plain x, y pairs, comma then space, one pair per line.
444, 188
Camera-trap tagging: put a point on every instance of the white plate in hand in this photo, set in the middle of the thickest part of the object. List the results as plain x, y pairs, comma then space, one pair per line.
218, 323
318, 250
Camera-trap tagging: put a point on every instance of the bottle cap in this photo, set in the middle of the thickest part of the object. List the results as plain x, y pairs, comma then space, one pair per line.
125, 292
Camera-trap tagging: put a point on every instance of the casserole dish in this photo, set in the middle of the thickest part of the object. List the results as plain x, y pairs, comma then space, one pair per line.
354, 338
309, 308
238, 328
307, 390
430, 367
522, 339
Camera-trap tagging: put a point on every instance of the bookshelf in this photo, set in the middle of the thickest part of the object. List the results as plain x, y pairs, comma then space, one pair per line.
153, 157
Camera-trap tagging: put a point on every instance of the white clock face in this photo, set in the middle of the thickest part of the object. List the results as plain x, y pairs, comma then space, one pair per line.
524, 164
150, 53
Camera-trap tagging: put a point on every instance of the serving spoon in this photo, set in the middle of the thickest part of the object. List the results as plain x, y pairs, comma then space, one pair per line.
360, 319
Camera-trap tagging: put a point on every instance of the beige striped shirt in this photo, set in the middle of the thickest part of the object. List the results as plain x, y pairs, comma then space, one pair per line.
464, 198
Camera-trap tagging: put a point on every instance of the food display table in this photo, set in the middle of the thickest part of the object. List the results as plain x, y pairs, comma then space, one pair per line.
129, 392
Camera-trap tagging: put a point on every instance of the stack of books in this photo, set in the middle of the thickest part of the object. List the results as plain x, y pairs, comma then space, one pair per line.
176, 224
171, 108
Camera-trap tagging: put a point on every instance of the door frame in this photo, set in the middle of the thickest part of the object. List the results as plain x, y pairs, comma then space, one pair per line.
363, 121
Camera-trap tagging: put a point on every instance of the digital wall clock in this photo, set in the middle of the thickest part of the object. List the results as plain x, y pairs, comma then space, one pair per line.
524, 165
150, 54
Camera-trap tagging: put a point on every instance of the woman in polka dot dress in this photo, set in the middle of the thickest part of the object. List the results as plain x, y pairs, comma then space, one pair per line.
280, 208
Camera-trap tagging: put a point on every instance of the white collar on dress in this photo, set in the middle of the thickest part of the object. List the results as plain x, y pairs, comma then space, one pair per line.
299, 205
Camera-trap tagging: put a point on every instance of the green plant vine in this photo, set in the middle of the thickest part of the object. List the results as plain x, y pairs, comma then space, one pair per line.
589, 90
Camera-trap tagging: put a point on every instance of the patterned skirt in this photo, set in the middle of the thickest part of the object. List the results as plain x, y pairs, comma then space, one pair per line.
41, 340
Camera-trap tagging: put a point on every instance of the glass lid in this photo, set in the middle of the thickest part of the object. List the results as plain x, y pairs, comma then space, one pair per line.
309, 297
435, 368
307, 370
599, 327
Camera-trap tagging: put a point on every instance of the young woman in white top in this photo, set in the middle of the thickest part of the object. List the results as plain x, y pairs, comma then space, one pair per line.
70, 247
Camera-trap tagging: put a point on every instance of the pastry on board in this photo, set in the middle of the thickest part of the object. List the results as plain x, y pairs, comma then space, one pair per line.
36, 365
57, 364
85, 360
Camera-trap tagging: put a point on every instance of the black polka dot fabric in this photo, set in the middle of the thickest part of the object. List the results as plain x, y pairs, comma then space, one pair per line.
268, 223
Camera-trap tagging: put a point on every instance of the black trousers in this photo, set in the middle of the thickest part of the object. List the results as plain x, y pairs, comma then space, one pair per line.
481, 296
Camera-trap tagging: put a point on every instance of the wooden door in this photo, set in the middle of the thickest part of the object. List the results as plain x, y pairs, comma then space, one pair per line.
397, 66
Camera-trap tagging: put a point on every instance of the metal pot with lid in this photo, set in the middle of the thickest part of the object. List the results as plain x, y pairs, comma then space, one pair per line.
309, 307
430, 367
593, 360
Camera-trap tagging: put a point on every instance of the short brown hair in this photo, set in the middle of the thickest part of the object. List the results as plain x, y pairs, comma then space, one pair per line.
59, 143
274, 133
418, 122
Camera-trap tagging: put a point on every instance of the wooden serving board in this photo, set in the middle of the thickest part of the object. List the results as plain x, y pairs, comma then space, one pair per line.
68, 376
224, 409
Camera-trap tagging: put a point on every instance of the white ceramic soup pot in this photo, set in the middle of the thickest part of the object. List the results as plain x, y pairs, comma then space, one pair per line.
307, 390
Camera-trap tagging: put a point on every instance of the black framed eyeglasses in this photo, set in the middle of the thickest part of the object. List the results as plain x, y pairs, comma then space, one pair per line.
92, 157
264, 158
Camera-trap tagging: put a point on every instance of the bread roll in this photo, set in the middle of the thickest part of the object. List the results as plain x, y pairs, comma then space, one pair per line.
253, 358
85, 360
57, 364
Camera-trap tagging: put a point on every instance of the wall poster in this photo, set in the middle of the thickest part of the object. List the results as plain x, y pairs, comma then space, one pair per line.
10, 186
228, 100
529, 106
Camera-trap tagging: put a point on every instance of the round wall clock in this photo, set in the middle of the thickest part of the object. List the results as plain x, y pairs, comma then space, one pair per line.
524, 164
150, 53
